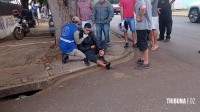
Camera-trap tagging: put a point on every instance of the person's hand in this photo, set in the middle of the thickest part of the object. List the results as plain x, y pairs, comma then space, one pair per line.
92, 47
139, 18
122, 18
108, 21
101, 52
159, 11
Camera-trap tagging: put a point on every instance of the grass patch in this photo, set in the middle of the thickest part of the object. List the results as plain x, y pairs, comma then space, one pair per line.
179, 10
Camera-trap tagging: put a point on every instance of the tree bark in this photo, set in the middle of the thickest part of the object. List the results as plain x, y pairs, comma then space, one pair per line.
61, 14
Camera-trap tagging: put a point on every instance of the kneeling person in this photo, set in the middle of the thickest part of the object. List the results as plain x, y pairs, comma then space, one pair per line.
91, 47
67, 44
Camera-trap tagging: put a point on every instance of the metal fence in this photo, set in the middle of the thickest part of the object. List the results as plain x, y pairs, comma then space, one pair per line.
7, 8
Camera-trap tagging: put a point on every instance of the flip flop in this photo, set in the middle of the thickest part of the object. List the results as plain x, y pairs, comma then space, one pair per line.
154, 48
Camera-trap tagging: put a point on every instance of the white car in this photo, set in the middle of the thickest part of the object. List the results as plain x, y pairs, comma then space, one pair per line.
194, 12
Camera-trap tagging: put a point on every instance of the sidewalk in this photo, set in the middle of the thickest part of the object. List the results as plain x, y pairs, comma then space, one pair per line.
30, 64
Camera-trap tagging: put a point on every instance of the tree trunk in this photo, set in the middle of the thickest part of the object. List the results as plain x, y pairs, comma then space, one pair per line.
61, 13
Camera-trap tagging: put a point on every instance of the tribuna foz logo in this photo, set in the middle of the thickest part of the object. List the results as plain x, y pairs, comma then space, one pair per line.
180, 100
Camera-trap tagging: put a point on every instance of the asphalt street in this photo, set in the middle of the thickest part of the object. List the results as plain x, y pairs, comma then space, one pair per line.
174, 75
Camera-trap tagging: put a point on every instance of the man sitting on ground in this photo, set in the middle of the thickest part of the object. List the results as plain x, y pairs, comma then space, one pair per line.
91, 47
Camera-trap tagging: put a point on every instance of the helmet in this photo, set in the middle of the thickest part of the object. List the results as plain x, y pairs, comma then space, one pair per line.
123, 26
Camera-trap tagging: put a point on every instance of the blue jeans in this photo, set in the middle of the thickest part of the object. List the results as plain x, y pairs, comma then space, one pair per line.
105, 27
131, 23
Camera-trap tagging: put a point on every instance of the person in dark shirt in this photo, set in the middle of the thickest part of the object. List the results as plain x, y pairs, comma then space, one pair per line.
165, 19
91, 47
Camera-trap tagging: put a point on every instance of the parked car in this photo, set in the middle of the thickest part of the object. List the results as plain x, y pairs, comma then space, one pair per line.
194, 12
116, 8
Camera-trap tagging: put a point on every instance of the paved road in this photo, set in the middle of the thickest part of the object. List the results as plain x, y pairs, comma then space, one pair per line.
174, 74
184, 44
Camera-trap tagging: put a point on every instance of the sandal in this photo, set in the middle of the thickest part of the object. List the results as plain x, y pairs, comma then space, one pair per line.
154, 48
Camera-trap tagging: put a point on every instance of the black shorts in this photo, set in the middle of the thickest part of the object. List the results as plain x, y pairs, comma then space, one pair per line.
142, 39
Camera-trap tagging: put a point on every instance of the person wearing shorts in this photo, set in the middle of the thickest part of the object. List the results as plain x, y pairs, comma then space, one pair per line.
143, 25
153, 35
127, 14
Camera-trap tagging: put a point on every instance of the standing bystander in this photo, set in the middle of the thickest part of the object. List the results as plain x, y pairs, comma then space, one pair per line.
143, 25
165, 19
127, 14
102, 15
84, 11
153, 35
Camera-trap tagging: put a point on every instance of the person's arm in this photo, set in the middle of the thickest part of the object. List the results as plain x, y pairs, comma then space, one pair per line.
97, 45
171, 2
121, 13
134, 2
121, 9
111, 13
79, 39
83, 48
96, 42
159, 7
142, 12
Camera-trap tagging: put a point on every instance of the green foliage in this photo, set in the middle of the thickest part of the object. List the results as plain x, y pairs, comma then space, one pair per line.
42, 1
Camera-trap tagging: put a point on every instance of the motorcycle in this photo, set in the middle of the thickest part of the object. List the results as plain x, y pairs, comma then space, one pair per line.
22, 27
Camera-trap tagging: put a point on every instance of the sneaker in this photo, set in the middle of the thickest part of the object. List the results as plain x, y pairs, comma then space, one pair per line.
65, 57
160, 39
135, 45
86, 62
126, 45
167, 40
108, 66
140, 61
143, 66
108, 44
103, 59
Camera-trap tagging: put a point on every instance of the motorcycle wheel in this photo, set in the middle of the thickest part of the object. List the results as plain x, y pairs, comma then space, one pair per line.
18, 34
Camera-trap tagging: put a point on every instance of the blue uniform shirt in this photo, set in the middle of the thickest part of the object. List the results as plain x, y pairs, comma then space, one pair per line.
66, 42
